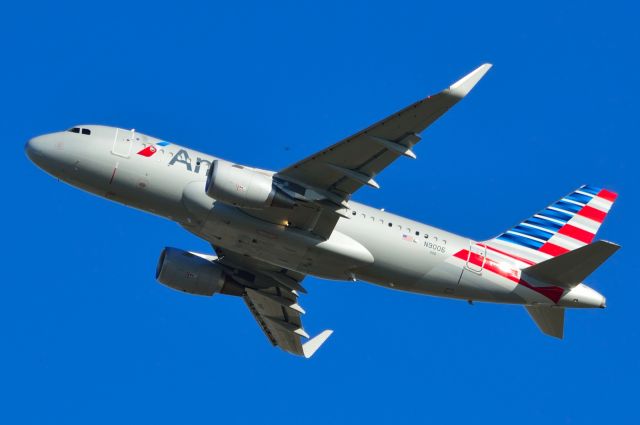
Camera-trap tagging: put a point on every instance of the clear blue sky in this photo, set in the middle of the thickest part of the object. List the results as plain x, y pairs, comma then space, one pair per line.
88, 336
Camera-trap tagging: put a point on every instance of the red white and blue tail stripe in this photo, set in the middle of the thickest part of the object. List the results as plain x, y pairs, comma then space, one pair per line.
563, 226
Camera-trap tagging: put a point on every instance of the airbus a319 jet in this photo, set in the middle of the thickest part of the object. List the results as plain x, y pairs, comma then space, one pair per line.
270, 229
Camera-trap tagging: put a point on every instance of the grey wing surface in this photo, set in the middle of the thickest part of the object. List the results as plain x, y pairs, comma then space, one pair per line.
346, 166
326, 180
271, 295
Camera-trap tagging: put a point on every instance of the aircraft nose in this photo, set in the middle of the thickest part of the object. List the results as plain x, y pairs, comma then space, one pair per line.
35, 148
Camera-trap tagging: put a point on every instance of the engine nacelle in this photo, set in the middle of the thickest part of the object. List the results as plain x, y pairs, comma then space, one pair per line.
194, 273
243, 187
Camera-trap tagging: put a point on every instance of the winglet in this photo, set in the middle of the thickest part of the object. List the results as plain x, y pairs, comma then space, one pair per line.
311, 346
464, 85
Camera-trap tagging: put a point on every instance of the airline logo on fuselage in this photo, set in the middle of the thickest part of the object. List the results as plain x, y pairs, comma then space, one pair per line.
150, 150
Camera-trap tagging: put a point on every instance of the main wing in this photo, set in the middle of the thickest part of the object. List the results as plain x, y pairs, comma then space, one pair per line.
323, 183
271, 295
343, 168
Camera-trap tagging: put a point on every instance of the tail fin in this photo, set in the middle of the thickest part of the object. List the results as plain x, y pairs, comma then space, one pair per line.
563, 226
549, 319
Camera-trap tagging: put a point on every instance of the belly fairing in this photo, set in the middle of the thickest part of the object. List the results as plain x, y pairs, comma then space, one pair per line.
231, 228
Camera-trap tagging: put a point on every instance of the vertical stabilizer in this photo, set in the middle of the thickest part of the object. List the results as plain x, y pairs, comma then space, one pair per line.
567, 224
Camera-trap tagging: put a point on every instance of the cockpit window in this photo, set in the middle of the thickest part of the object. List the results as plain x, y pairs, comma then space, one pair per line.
79, 130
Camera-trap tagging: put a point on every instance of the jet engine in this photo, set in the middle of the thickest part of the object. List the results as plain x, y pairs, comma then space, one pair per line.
194, 273
244, 187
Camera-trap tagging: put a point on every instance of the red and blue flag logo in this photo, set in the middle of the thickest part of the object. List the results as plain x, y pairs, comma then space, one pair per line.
150, 150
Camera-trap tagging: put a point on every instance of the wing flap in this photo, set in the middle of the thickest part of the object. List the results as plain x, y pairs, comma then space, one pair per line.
271, 294
280, 326
279, 319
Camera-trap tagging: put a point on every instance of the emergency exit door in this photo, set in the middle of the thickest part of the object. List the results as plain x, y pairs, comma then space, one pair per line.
476, 258
123, 142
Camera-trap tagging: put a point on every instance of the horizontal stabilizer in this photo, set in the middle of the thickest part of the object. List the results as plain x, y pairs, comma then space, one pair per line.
571, 268
311, 346
550, 320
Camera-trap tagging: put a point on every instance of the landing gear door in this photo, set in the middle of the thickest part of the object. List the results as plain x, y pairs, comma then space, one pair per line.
123, 142
476, 258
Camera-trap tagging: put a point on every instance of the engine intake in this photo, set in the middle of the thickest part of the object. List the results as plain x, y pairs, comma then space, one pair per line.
194, 273
244, 187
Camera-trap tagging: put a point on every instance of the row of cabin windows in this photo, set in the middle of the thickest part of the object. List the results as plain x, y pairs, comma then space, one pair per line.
390, 224
79, 130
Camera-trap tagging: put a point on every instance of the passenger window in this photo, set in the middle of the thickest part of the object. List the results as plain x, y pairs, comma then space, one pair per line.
417, 233
353, 213
390, 224
86, 131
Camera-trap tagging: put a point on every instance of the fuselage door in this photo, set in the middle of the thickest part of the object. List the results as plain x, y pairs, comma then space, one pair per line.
123, 142
476, 258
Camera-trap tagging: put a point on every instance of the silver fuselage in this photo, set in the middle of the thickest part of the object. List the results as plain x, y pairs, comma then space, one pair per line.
371, 245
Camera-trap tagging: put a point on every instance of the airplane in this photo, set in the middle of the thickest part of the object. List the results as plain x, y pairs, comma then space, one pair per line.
270, 229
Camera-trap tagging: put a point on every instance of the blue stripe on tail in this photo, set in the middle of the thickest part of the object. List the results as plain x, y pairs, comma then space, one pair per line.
552, 226
532, 231
579, 197
520, 240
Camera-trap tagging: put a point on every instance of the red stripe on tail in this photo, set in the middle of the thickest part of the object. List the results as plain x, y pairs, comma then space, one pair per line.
576, 233
608, 195
552, 249
593, 214
554, 293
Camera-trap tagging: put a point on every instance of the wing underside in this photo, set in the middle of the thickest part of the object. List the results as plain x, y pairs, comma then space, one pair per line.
271, 294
